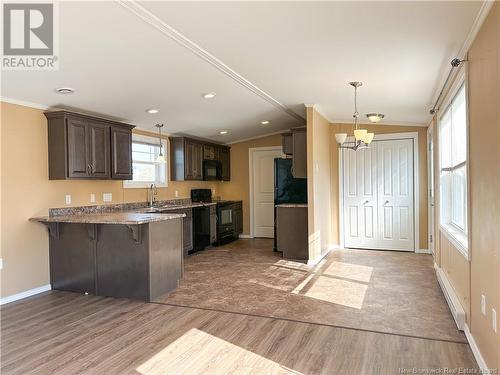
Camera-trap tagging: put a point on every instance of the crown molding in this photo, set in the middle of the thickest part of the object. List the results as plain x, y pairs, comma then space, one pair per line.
185, 42
24, 103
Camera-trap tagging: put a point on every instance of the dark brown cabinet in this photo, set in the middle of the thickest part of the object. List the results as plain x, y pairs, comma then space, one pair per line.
213, 224
238, 218
187, 229
86, 147
121, 153
225, 160
187, 155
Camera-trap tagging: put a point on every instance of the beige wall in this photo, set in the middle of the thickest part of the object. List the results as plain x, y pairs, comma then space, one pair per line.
422, 171
484, 169
26, 191
238, 187
480, 275
319, 167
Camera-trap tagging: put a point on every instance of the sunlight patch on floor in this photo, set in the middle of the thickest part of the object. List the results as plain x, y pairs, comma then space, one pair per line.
197, 352
340, 292
349, 271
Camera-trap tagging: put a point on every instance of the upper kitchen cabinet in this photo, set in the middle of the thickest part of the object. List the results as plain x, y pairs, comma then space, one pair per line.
187, 156
287, 143
299, 152
86, 147
121, 153
225, 160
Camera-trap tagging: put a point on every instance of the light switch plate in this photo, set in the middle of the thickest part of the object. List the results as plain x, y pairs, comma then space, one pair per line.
494, 320
92, 198
107, 197
67, 198
177, 193
1, 264
483, 304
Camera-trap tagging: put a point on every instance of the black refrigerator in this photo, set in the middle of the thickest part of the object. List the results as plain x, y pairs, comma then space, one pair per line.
287, 189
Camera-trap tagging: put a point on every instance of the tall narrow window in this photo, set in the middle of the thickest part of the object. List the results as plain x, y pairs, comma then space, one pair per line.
453, 165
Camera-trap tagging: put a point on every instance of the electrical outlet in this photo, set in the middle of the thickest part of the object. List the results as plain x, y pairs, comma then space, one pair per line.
107, 197
177, 193
68, 198
494, 320
483, 304
92, 198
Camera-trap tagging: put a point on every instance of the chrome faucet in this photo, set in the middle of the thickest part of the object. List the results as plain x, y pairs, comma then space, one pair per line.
152, 193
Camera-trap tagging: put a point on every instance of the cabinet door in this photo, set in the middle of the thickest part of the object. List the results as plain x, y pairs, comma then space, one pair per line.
213, 228
208, 152
121, 153
226, 163
238, 219
99, 150
198, 161
187, 234
193, 156
299, 158
78, 165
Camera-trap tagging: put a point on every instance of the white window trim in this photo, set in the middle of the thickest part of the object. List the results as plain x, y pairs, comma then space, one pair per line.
130, 184
459, 239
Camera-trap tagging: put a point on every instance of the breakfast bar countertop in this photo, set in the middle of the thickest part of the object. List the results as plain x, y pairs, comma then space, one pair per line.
125, 218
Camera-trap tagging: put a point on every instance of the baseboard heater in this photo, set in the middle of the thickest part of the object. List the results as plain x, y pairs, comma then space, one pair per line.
456, 308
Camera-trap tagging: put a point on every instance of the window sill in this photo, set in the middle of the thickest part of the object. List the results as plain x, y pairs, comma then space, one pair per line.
142, 185
457, 238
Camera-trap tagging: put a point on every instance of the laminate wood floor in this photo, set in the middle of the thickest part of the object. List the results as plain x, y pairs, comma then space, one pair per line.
383, 291
68, 333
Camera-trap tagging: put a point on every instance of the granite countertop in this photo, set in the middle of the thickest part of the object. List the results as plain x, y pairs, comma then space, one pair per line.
125, 218
169, 207
291, 205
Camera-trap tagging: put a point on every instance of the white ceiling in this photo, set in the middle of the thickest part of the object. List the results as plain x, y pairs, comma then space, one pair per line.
262, 58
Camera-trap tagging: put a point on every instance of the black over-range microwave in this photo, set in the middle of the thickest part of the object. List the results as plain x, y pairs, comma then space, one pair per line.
212, 170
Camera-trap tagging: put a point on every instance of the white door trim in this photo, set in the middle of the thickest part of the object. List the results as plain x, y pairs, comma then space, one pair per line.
251, 151
416, 199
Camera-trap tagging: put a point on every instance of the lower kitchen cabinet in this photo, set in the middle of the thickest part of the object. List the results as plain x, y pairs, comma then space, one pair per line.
213, 224
187, 229
238, 218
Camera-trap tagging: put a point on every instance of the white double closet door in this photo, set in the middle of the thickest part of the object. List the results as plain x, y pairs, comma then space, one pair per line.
378, 198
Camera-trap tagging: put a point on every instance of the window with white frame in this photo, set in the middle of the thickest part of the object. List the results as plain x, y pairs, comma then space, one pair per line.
453, 169
145, 169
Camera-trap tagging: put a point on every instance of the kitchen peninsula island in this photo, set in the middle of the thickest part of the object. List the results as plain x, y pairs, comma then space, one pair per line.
134, 255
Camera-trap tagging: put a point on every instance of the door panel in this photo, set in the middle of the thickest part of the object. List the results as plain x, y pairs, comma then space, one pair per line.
78, 165
360, 198
263, 192
396, 194
99, 150
378, 196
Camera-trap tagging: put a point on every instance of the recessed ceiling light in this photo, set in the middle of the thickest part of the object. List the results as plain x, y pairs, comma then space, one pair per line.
223, 132
65, 90
265, 122
209, 95
152, 111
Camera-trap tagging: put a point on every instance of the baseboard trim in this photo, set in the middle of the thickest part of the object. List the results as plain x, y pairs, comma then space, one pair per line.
25, 294
457, 311
475, 350
423, 251
313, 262
245, 236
